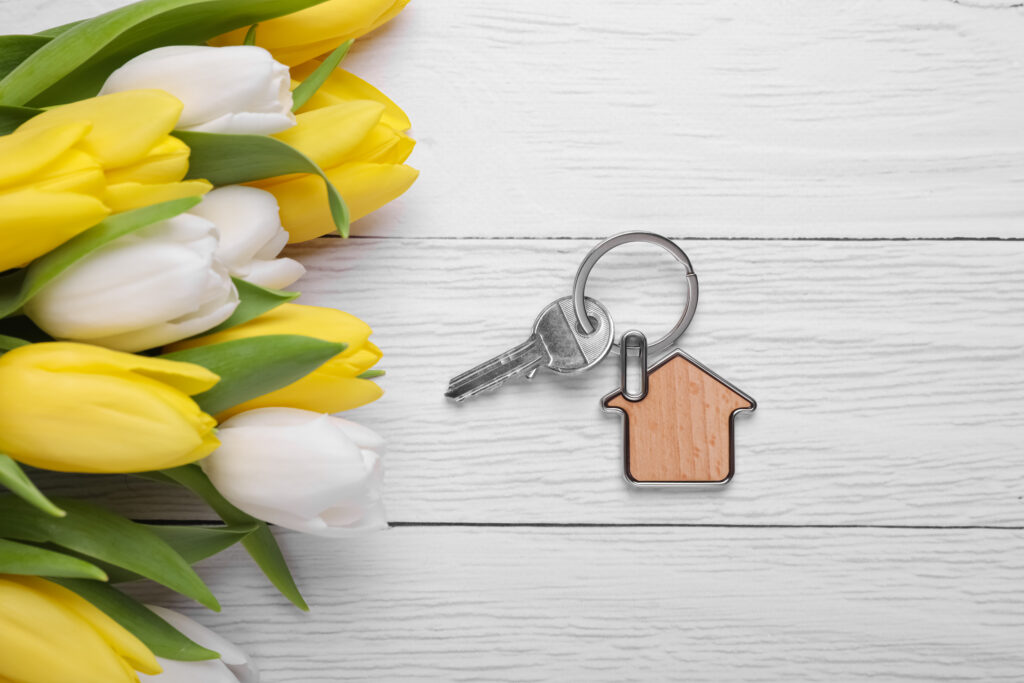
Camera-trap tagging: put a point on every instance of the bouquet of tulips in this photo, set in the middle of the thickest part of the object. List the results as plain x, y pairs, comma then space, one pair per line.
154, 162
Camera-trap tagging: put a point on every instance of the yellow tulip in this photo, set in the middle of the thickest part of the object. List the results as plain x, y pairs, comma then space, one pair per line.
49, 634
334, 386
49, 191
129, 136
357, 136
79, 408
308, 33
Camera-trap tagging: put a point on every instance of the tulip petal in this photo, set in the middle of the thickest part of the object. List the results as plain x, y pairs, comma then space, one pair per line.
25, 153
125, 125
334, 20
343, 86
127, 196
33, 222
63, 356
329, 134
166, 162
366, 187
117, 637
73, 171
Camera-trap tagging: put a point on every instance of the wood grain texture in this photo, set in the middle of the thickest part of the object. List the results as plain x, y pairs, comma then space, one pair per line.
887, 376
712, 118
681, 430
633, 605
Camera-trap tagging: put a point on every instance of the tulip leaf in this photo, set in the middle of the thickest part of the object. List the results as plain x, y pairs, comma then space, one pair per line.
7, 343
233, 159
18, 287
250, 35
14, 479
11, 117
155, 633
194, 543
15, 49
19, 558
261, 544
77, 59
255, 366
371, 374
100, 534
308, 87
254, 301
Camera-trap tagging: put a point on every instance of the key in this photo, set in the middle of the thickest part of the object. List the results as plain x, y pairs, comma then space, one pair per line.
557, 343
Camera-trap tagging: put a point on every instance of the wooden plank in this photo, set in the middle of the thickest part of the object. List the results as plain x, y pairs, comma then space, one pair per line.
711, 118
633, 605
707, 118
887, 377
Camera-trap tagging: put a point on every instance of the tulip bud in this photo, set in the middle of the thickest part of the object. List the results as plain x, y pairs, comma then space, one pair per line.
296, 37
48, 633
234, 666
331, 388
117, 412
238, 89
146, 289
301, 470
251, 235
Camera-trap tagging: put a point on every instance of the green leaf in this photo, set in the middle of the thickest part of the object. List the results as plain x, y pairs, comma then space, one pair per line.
194, 543
11, 117
233, 159
100, 534
21, 285
254, 301
261, 544
155, 633
77, 60
19, 558
15, 49
13, 478
7, 343
371, 374
255, 366
250, 35
313, 82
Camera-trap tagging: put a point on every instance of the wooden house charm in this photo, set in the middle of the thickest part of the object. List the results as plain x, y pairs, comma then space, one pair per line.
681, 431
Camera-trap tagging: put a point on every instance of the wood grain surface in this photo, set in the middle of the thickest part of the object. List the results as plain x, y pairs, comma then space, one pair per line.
848, 180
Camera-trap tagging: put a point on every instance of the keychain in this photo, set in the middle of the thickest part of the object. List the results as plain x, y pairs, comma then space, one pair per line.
678, 427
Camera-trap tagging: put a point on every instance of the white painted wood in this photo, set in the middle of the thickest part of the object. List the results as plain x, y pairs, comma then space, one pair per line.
887, 376
710, 118
634, 605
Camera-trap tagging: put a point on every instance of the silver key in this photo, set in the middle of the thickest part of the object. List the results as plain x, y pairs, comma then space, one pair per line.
557, 343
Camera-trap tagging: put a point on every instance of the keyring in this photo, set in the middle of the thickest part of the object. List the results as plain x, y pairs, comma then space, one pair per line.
579, 284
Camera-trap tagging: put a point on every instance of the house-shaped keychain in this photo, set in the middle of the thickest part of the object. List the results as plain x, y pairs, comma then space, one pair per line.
680, 429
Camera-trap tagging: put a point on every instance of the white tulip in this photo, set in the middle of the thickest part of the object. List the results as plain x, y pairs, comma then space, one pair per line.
238, 89
146, 289
232, 667
301, 470
251, 235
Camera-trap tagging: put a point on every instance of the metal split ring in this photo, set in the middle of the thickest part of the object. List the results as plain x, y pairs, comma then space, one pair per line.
579, 284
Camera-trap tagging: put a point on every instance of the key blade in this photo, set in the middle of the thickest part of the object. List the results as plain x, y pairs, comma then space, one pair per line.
519, 360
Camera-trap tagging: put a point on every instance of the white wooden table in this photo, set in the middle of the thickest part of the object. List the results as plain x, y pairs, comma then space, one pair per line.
848, 179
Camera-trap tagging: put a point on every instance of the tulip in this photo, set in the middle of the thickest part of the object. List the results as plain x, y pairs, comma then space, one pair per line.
300, 36
232, 667
49, 191
49, 634
251, 235
237, 89
301, 470
80, 408
128, 136
358, 139
334, 386
148, 288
